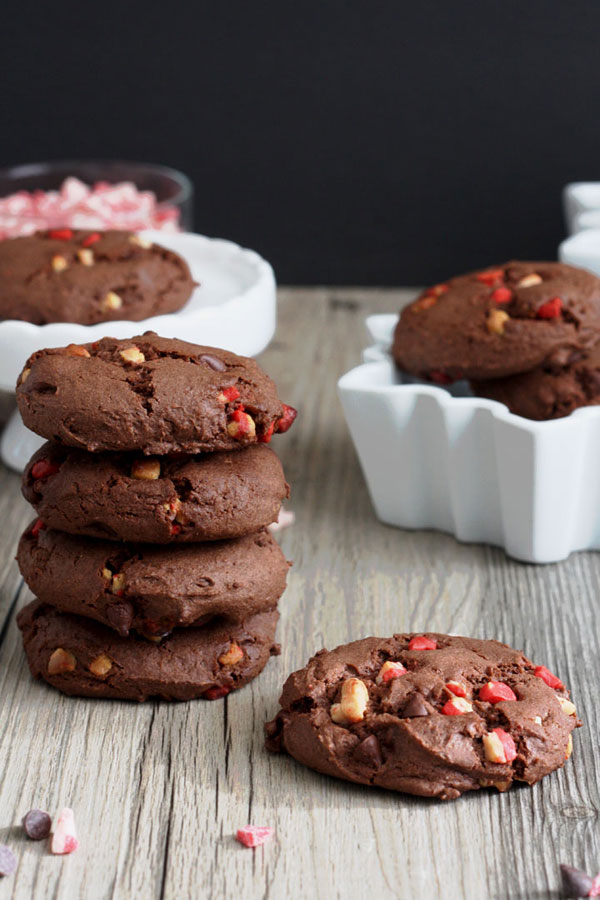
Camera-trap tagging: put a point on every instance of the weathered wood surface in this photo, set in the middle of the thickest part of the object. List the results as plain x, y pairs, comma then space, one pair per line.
159, 789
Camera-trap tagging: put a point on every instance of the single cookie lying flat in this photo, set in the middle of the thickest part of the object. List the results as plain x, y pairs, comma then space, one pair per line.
150, 394
547, 393
431, 715
499, 322
131, 497
85, 659
63, 275
149, 588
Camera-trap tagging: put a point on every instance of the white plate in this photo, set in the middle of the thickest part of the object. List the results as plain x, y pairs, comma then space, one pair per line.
234, 308
468, 466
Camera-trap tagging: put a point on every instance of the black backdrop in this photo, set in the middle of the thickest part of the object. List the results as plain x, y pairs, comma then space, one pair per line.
349, 142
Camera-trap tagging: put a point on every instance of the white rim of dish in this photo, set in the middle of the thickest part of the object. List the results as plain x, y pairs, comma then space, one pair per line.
356, 381
264, 274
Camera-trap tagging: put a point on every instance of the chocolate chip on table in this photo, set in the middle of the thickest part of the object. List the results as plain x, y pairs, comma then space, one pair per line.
37, 824
8, 860
575, 882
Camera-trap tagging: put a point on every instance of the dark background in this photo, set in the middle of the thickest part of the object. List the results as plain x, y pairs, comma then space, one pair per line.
349, 142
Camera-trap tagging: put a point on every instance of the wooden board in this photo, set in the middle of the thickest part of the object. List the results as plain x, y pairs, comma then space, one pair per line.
159, 790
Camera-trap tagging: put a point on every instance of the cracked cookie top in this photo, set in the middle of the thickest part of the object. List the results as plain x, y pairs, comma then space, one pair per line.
499, 321
151, 394
433, 715
65, 275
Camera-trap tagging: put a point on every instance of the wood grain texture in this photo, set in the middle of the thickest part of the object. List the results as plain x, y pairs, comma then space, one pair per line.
159, 790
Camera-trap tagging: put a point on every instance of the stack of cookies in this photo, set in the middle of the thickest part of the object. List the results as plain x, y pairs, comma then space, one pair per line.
151, 560
524, 333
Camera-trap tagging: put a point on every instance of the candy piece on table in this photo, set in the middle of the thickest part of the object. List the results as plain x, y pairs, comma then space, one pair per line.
285, 518
36, 824
64, 838
253, 835
575, 882
8, 860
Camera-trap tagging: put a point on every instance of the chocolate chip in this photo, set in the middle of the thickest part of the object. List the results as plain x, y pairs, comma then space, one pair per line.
37, 824
368, 752
120, 616
213, 362
575, 883
8, 860
415, 708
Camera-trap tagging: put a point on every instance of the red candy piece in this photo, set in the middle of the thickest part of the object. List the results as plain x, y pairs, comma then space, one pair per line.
551, 309
287, 419
440, 377
422, 643
239, 416
60, 234
456, 688
508, 745
216, 692
496, 691
457, 706
37, 527
90, 239
437, 290
253, 835
265, 438
230, 394
64, 839
550, 679
502, 295
490, 277
175, 528
43, 469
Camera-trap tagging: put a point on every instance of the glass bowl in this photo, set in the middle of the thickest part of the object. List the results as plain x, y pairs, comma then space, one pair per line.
173, 190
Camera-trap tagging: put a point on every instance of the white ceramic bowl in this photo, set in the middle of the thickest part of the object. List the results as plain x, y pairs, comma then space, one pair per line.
582, 249
581, 203
234, 307
467, 466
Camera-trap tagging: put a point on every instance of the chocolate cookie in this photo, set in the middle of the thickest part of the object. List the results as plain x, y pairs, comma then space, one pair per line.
85, 659
152, 394
148, 588
132, 497
63, 275
499, 322
547, 393
425, 714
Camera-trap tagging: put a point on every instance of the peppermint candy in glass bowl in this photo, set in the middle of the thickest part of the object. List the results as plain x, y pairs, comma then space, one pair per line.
97, 194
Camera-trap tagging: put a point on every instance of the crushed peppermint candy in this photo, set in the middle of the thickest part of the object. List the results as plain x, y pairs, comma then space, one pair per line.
76, 205
254, 835
64, 838
285, 518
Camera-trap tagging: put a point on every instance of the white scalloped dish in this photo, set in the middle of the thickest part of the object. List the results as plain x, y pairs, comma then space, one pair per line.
234, 307
469, 467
